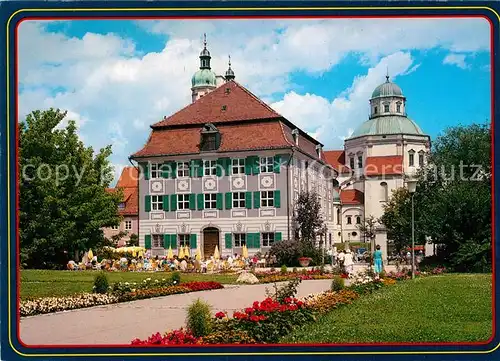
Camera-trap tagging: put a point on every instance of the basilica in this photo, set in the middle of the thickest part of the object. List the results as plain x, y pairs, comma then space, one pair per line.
226, 170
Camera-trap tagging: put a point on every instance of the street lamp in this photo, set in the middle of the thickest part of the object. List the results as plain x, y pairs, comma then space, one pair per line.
412, 187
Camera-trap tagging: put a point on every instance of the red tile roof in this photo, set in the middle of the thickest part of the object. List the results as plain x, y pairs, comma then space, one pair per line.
336, 158
128, 178
128, 183
352, 196
386, 165
228, 103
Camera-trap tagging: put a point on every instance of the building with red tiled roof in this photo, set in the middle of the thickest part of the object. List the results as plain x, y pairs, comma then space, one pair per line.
128, 208
224, 172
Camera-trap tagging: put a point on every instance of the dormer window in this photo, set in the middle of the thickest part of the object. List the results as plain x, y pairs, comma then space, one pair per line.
210, 138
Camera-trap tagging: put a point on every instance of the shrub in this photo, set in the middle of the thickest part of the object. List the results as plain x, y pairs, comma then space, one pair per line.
288, 252
176, 337
199, 321
287, 290
337, 284
101, 283
283, 270
326, 301
176, 277
294, 270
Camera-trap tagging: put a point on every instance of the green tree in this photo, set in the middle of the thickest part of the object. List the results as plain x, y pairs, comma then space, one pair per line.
63, 201
308, 219
452, 201
133, 241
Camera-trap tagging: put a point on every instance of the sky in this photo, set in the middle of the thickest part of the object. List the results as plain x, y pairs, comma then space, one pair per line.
117, 77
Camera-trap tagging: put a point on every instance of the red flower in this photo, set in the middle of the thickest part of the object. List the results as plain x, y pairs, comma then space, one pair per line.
240, 315
220, 315
254, 318
248, 310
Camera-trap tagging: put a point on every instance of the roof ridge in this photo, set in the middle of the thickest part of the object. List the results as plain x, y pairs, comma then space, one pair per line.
283, 133
255, 97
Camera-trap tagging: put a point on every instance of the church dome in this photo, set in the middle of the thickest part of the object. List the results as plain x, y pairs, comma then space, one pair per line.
387, 89
203, 77
388, 124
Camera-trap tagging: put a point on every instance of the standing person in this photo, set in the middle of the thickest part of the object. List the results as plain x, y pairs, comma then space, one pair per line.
329, 252
377, 261
348, 262
341, 259
334, 256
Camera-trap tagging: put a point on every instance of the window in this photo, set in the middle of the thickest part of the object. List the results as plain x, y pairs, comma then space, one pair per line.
155, 170
411, 158
384, 192
386, 108
157, 241
183, 240
240, 239
128, 225
421, 159
354, 234
267, 239
351, 162
209, 142
182, 169
266, 164
360, 161
267, 199
375, 110
114, 227
238, 166
398, 107
121, 205
210, 167
239, 200
349, 220
183, 201
156, 203
338, 215
358, 220
211, 201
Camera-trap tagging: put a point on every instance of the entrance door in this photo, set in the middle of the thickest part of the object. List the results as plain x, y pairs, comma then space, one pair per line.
210, 240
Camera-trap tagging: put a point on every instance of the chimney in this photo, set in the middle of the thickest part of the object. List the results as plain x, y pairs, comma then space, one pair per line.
295, 134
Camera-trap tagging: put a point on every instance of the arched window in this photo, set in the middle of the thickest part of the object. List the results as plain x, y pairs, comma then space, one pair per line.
421, 158
398, 107
411, 158
384, 192
338, 216
375, 110
349, 219
386, 108
358, 220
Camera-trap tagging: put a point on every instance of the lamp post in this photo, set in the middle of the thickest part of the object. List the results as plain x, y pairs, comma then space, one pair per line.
412, 187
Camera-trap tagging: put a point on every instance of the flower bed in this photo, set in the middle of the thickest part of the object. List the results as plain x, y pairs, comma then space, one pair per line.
276, 276
326, 301
123, 293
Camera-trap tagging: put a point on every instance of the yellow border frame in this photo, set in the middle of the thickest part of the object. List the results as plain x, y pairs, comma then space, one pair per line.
203, 353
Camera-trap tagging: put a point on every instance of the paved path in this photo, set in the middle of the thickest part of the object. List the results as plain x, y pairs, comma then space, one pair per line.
120, 323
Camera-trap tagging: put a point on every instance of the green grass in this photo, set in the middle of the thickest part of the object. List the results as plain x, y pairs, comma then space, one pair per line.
447, 308
43, 283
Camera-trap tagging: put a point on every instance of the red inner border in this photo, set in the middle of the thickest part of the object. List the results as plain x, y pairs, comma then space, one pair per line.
298, 17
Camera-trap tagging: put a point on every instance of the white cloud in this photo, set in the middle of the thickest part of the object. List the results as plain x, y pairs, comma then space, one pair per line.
456, 59
107, 84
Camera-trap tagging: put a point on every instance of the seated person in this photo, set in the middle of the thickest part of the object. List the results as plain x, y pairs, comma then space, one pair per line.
71, 265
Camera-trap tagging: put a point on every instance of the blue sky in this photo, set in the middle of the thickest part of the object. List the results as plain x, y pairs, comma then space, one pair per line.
116, 77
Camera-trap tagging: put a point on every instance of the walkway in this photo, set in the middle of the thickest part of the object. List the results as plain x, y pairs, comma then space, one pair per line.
120, 323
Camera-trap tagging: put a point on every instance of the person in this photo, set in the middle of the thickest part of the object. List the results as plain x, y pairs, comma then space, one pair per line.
377, 260
348, 262
334, 256
341, 259
408, 258
183, 265
330, 255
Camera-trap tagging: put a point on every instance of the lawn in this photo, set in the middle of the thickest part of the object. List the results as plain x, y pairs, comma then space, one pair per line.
447, 308
43, 283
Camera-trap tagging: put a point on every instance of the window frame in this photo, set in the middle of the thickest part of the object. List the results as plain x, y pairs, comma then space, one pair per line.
348, 219
210, 201
411, 158
269, 199
156, 203
266, 238
387, 108
398, 107
421, 159
385, 191
239, 166
352, 163
239, 200
127, 222
182, 169
358, 219
239, 239
360, 161
182, 201
265, 165
156, 241
115, 228
183, 240
209, 166
154, 171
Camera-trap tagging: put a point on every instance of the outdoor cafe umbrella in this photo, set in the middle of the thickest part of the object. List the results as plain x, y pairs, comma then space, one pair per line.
187, 251
181, 252
90, 255
216, 252
198, 253
170, 254
245, 251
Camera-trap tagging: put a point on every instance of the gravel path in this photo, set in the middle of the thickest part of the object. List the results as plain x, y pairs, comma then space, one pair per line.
120, 323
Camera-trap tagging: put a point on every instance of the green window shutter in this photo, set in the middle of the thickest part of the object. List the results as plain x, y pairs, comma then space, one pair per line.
192, 241
277, 198
249, 238
199, 164
229, 200
277, 236
256, 240
165, 203
145, 170
192, 168
218, 201
256, 199
220, 167
173, 202
165, 170
227, 166
248, 165
166, 241
173, 241
277, 163
174, 169
248, 200
192, 201
147, 203
201, 201
256, 165
147, 241
229, 240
